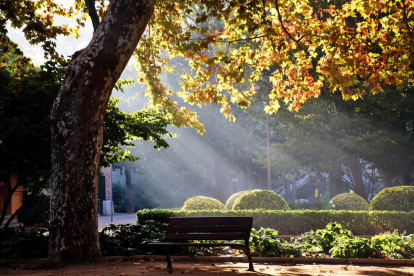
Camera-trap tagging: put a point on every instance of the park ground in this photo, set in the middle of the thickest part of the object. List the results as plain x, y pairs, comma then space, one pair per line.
123, 267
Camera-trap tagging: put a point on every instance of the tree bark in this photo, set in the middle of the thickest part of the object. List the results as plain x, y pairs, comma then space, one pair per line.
287, 189
77, 129
294, 185
336, 185
355, 167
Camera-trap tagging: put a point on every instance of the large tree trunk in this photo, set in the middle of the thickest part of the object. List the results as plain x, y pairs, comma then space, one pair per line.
77, 129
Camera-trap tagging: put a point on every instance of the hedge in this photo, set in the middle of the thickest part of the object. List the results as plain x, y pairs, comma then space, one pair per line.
300, 221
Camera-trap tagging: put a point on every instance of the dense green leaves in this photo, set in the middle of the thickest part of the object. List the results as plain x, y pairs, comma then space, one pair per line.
260, 199
321, 240
121, 128
348, 201
202, 203
129, 239
265, 243
300, 221
398, 198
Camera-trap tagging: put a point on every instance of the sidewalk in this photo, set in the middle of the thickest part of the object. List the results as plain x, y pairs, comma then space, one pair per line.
118, 218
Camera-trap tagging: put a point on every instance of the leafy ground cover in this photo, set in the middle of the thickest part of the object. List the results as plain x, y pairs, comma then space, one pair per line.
333, 241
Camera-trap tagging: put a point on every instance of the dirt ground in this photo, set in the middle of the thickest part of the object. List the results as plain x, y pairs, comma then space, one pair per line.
143, 267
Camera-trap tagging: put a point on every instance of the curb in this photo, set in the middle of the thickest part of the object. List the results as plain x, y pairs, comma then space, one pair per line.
234, 259
296, 260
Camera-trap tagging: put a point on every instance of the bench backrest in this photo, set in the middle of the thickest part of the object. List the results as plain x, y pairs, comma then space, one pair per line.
209, 228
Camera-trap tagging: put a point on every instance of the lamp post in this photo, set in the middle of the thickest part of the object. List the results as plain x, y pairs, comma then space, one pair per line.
269, 170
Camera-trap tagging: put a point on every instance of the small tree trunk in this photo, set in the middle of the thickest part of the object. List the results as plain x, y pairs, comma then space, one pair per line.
287, 188
8, 199
130, 189
27, 200
77, 129
357, 177
336, 185
294, 190
221, 176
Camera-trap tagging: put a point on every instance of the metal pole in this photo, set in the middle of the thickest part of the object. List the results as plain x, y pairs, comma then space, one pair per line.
112, 210
269, 170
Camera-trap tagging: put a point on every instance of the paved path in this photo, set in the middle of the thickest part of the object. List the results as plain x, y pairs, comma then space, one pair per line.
118, 218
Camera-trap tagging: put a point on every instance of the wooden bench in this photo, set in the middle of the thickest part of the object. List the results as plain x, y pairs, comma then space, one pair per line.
182, 231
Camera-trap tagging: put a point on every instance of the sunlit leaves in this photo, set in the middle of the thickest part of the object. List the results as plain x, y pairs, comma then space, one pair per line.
352, 48
37, 22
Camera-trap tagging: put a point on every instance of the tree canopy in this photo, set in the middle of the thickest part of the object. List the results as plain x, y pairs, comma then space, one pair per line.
353, 47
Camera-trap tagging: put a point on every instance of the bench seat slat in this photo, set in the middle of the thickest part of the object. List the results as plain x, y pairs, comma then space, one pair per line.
209, 229
194, 221
168, 244
216, 236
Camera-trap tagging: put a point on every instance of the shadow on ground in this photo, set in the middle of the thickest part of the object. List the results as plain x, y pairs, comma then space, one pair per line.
126, 267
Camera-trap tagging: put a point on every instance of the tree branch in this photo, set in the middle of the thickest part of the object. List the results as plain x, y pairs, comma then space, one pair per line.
90, 4
27, 200
284, 28
9, 197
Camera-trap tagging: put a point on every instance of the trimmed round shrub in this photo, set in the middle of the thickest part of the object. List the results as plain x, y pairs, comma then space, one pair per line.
352, 202
203, 203
261, 199
398, 198
232, 199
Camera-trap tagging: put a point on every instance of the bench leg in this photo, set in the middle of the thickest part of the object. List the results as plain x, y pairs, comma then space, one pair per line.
167, 255
249, 257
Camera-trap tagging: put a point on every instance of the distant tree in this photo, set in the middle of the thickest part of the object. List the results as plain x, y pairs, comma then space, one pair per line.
362, 137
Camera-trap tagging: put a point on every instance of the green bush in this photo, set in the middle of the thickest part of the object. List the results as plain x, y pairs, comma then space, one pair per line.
351, 247
321, 240
265, 243
23, 243
347, 201
129, 239
300, 221
232, 199
203, 203
392, 246
36, 211
399, 198
261, 199
307, 206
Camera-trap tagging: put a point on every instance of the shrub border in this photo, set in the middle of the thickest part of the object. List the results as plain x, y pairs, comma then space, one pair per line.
297, 222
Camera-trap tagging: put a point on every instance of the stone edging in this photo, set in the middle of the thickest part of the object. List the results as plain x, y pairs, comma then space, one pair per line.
234, 259
296, 260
